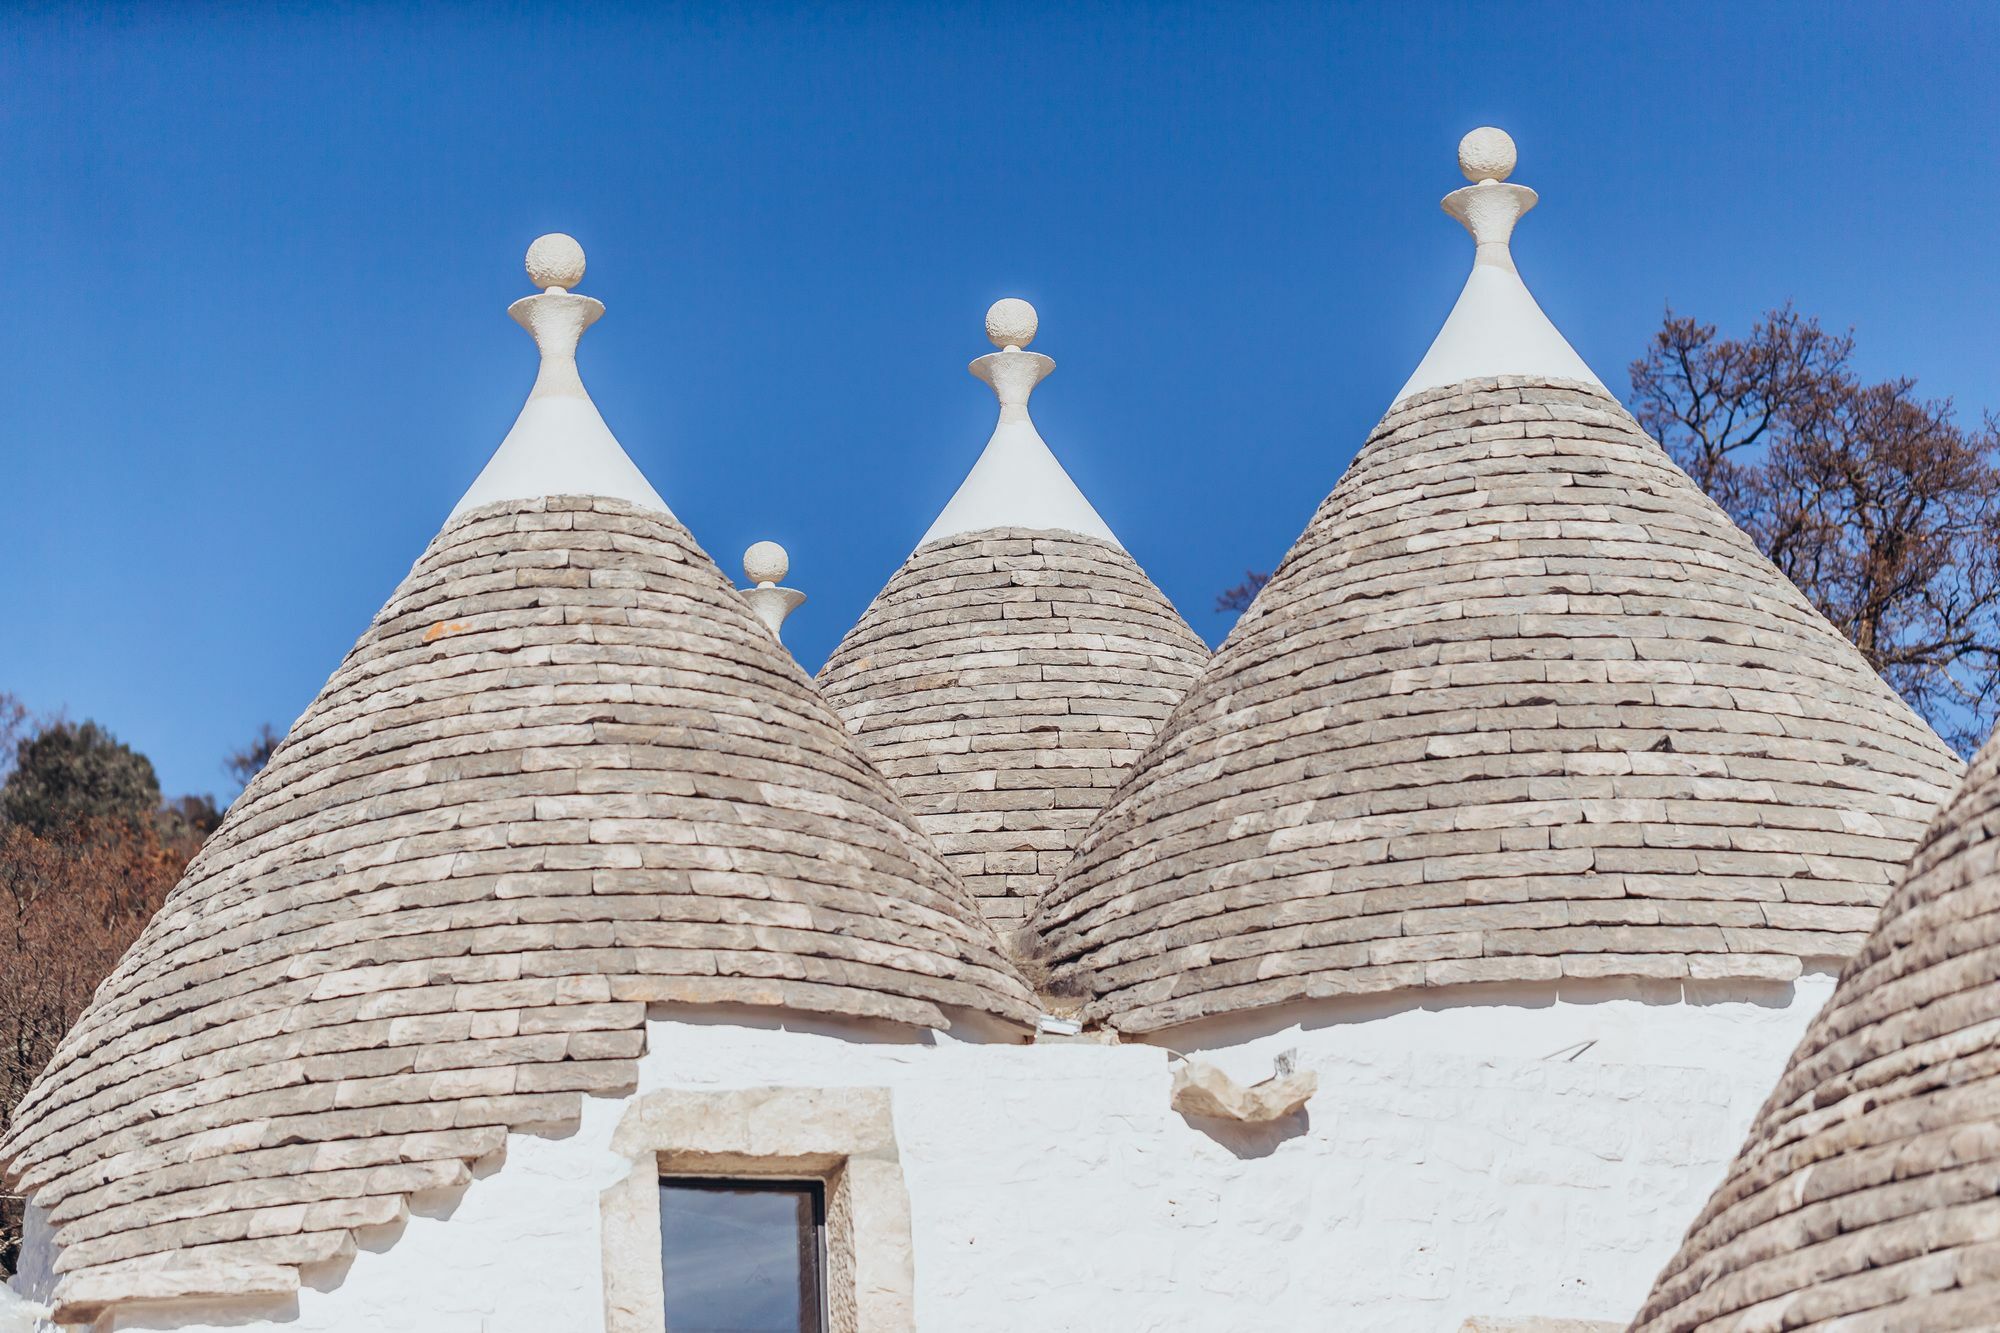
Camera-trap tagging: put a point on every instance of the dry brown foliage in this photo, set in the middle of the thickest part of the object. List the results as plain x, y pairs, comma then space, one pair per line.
71, 903
1875, 502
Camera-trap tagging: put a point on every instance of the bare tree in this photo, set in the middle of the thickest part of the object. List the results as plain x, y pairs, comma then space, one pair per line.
1715, 402
248, 762
1238, 598
1877, 503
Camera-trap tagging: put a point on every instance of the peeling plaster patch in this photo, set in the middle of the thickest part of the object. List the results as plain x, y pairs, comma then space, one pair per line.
1200, 1089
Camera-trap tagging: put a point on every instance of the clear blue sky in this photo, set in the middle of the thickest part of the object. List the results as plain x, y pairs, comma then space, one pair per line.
260, 266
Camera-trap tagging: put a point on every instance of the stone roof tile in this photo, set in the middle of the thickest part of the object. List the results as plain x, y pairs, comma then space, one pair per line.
564, 774
1868, 1193
1516, 659
1004, 681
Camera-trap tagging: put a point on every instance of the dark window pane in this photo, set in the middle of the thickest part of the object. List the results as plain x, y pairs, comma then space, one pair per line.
741, 1256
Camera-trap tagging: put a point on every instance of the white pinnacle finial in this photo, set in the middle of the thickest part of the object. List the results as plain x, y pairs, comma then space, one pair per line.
1496, 328
555, 262
1486, 154
1487, 208
1011, 323
559, 444
1017, 482
764, 564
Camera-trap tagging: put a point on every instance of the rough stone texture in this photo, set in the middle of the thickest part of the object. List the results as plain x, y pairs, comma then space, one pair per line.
1005, 681
1868, 1194
1200, 1089
1521, 704
563, 774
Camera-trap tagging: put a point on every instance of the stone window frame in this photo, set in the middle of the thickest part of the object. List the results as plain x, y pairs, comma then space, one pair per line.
844, 1138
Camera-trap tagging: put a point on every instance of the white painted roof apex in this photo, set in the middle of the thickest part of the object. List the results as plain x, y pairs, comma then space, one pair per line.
1496, 328
1017, 482
559, 444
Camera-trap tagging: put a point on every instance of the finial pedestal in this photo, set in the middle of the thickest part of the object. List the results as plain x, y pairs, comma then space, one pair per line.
1013, 375
1017, 482
1496, 328
764, 564
556, 320
559, 444
1489, 211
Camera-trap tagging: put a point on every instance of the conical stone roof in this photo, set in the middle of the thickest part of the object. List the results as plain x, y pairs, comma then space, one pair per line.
564, 774
1868, 1194
1010, 673
1521, 704
1004, 681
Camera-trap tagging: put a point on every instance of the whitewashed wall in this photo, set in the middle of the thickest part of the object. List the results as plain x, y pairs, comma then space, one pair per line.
1473, 1160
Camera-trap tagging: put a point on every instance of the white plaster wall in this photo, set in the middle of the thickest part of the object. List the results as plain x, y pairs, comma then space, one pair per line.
1470, 1160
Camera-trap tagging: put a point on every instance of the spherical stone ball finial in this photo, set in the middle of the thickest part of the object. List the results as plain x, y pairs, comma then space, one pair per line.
1486, 154
555, 260
1010, 322
766, 562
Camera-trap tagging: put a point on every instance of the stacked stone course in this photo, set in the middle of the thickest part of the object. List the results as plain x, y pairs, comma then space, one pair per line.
1004, 681
1521, 705
1868, 1194
563, 776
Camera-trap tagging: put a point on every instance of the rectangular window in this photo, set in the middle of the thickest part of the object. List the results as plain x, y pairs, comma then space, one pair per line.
743, 1255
